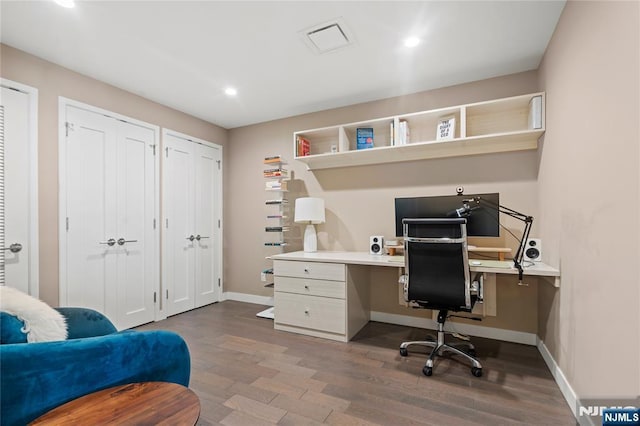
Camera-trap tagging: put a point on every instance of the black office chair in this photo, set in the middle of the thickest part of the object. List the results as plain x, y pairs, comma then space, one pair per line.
437, 277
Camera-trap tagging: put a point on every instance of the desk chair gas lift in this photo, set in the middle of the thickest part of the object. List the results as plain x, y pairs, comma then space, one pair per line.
437, 277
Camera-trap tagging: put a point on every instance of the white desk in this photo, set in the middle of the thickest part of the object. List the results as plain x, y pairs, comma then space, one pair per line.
326, 293
538, 269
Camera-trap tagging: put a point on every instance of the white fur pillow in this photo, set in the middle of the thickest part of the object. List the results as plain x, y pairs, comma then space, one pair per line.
42, 323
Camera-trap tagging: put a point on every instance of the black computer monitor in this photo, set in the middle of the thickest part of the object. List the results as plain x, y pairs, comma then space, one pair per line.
482, 222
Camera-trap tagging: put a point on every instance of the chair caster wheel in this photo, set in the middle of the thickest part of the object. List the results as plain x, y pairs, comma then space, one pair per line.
428, 371
476, 371
403, 352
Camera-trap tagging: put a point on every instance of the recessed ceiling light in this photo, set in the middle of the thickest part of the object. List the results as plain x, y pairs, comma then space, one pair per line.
411, 41
66, 3
230, 91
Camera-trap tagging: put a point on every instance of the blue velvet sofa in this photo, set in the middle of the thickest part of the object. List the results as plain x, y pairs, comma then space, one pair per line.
37, 377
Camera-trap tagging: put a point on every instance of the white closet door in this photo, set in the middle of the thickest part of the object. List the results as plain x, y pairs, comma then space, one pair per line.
107, 201
135, 180
206, 226
178, 278
17, 191
90, 214
192, 206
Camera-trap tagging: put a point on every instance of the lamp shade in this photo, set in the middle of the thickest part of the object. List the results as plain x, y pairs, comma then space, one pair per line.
309, 210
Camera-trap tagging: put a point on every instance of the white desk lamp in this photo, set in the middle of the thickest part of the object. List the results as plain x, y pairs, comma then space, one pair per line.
310, 211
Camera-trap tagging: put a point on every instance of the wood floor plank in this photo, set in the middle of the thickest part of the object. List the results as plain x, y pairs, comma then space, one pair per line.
306, 409
336, 404
254, 408
247, 373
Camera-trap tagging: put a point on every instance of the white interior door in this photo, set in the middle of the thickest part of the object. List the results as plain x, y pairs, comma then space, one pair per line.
192, 207
108, 191
135, 235
178, 193
18, 221
90, 212
206, 226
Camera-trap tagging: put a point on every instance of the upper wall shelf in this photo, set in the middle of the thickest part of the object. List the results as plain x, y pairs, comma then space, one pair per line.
502, 125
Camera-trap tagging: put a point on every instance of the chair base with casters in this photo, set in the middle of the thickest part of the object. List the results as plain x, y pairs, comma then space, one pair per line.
439, 346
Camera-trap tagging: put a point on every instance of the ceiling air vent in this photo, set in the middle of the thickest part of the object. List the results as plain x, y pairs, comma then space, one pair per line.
327, 37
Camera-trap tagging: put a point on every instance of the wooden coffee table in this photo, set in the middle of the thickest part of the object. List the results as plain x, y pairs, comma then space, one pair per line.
152, 403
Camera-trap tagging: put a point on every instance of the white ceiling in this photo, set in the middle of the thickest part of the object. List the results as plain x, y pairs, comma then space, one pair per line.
184, 53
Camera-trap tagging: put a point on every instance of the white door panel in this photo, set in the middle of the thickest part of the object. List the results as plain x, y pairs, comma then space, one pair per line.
135, 205
90, 209
18, 190
191, 180
205, 213
108, 196
178, 195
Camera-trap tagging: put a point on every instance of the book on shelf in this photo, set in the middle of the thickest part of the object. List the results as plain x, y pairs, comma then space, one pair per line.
303, 146
392, 133
276, 216
276, 202
272, 159
282, 173
403, 135
446, 128
275, 185
276, 228
275, 243
364, 137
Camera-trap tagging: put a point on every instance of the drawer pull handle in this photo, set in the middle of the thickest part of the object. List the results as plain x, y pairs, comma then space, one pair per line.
306, 270
306, 311
306, 287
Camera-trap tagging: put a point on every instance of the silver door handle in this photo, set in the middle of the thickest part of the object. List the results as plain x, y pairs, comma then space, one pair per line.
198, 237
14, 248
109, 242
191, 238
121, 241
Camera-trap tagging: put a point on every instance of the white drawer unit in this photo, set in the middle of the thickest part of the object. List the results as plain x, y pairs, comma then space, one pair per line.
311, 312
320, 299
315, 270
311, 287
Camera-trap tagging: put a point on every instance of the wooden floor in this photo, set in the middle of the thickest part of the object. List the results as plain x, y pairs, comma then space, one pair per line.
246, 373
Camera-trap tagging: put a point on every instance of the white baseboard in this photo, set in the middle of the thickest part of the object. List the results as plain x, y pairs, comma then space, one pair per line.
470, 329
248, 298
558, 375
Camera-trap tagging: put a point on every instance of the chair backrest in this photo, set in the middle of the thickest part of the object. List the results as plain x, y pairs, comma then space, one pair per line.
437, 263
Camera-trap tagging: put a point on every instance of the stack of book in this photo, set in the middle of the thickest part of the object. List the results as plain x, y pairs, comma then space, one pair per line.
275, 185
303, 146
277, 172
269, 202
276, 228
272, 159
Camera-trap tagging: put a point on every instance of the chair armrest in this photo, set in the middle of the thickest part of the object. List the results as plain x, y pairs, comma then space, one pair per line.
84, 322
37, 377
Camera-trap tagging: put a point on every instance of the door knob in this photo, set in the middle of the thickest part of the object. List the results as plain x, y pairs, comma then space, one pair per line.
191, 238
14, 248
198, 237
121, 241
109, 242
